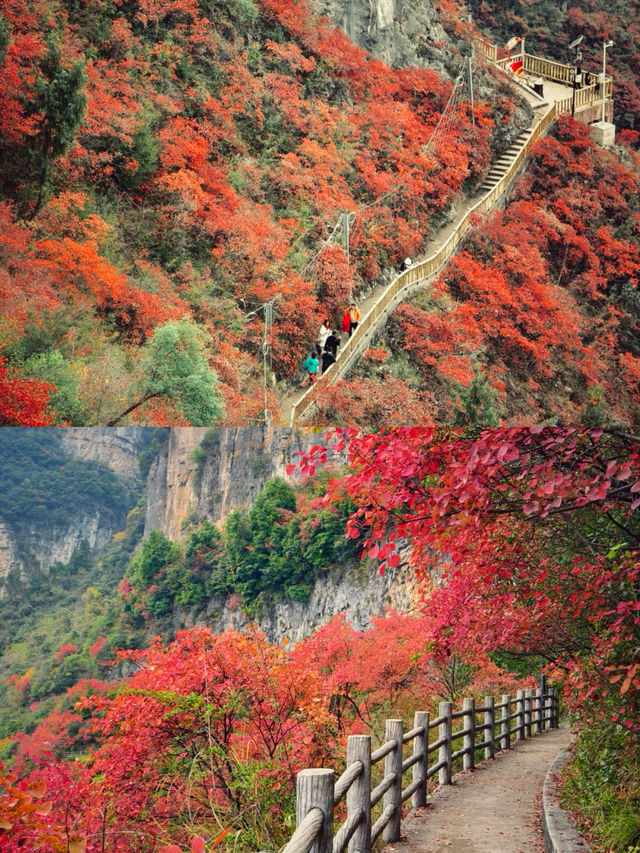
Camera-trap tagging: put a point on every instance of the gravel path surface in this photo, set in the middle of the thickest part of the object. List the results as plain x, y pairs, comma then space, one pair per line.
492, 809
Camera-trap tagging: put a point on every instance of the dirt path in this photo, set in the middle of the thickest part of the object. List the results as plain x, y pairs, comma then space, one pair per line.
492, 809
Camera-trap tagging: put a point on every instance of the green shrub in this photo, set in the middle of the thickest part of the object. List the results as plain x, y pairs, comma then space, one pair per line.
603, 787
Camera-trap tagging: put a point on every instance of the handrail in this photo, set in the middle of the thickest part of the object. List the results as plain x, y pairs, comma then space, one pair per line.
317, 794
417, 275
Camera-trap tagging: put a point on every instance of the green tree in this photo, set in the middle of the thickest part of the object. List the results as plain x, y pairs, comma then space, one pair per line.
52, 367
174, 366
4, 38
477, 404
156, 555
263, 566
60, 99
594, 408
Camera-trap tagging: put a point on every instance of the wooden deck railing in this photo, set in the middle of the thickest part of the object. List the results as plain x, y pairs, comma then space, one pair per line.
559, 72
318, 793
416, 277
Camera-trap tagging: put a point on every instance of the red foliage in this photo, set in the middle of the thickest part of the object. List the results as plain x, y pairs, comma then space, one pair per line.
220, 196
23, 402
210, 726
66, 649
518, 579
542, 296
372, 403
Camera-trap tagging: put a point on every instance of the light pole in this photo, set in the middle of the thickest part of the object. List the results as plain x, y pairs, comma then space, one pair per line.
605, 45
577, 71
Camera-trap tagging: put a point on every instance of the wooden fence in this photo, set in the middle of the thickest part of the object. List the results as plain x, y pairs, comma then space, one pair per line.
318, 792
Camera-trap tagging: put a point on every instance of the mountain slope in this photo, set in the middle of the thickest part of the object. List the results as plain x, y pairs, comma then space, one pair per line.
177, 161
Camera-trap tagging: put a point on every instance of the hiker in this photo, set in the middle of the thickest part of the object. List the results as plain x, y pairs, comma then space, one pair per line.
328, 358
354, 319
577, 78
346, 320
333, 342
323, 334
311, 366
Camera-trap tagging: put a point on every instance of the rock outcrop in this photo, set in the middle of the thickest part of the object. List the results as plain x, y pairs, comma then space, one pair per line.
116, 447
233, 466
399, 32
38, 547
359, 592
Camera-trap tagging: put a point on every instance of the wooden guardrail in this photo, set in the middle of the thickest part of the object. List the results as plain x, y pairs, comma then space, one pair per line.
561, 73
416, 276
318, 792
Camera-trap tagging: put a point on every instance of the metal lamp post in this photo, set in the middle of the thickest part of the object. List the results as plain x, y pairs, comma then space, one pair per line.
577, 59
605, 45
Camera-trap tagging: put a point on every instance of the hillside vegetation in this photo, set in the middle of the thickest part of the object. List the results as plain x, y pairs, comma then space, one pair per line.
535, 320
198, 735
166, 169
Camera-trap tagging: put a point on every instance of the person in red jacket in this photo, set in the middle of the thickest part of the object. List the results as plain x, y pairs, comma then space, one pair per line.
346, 320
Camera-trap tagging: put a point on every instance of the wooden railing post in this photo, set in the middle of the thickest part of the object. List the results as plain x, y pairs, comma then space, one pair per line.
393, 764
528, 693
505, 722
314, 789
444, 752
469, 725
555, 714
538, 714
420, 746
490, 731
520, 712
543, 700
359, 794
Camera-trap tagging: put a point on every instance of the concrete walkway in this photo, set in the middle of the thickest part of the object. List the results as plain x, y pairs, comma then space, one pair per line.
492, 809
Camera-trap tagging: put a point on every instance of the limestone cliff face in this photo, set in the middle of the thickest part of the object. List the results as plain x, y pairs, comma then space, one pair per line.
399, 32
169, 484
40, 547
116, 447
236, 464
358, 592
10, 561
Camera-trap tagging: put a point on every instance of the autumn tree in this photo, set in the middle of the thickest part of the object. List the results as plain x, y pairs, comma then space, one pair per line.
542, 537
23, 402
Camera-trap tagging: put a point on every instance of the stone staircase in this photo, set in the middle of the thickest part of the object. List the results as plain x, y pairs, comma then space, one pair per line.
501, 166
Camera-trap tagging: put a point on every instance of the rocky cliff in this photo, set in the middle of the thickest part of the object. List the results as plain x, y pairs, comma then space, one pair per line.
409, 33
359, 592
399, 32
203, 474
229, 471
190, 483
38, 546
116, 447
